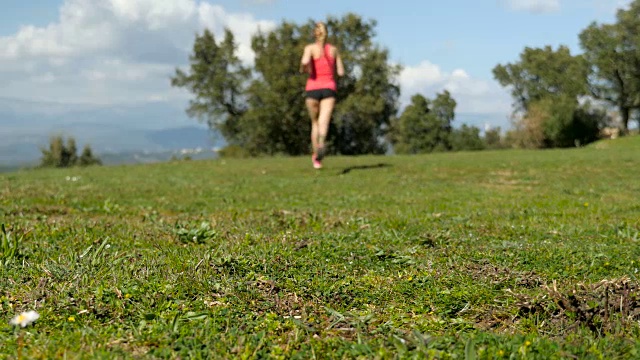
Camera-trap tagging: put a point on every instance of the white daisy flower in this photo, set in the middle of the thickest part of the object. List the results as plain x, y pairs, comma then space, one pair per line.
25, 318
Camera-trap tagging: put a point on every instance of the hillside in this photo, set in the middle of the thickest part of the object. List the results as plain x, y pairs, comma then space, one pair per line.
371, 255
631, 142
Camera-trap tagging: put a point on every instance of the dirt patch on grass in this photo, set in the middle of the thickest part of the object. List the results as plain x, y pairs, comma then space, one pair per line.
497, 275
299, 219
508, 179
603, 307
40, 210
282, 301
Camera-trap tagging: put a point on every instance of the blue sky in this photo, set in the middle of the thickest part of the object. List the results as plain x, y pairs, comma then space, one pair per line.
116, 51
471, 34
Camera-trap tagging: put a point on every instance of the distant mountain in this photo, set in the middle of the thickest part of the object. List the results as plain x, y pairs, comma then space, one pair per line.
152, 157
26, 126
112, 140
21, 114
188, 137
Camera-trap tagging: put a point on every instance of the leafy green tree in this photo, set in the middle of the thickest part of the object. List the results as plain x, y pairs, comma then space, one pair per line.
543, 73
71, 153
613, 51
493, 139
53, 156
87, 158
546, 85
569, 125
262, 109
528, 131
368, 93
276, 119
557, 122
466, 138
424, 125
218, 80
410, 129
443, 108
61, 155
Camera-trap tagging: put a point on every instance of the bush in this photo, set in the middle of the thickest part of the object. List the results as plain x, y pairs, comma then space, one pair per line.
557, 123
466, 138
87, 158
493, 140
61, 155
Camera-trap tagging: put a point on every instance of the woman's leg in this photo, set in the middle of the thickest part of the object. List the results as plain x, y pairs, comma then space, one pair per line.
313, 106
326, 110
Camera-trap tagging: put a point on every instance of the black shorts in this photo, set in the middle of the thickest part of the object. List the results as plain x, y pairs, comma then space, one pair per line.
320, 94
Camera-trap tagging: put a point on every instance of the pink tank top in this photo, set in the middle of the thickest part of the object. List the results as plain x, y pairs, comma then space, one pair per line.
321, 76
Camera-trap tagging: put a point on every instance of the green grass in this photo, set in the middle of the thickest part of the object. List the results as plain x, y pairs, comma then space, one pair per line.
488, 255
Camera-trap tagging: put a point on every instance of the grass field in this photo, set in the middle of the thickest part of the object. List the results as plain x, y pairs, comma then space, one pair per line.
483, 255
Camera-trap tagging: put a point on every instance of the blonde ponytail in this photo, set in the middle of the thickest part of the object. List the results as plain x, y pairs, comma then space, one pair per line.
320, 32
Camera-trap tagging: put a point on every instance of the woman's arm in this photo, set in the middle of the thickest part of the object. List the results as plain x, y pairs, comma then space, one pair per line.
339, 64
306, 60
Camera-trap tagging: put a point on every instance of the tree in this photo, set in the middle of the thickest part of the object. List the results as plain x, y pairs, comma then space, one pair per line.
60, 155
218, 80
493, 139
528, 131
557, 122
276, 119
71, 153
409, 131
53, 157
87, 158
424, 125
546, 85
262, 109
569, 125
466, 138
370, 90
543, 73
613, 53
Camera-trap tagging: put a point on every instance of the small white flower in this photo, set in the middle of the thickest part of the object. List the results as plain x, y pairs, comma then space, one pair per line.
68, 178
74, 179
25, 318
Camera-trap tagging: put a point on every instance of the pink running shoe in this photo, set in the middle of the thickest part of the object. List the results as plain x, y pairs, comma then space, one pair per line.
316, 163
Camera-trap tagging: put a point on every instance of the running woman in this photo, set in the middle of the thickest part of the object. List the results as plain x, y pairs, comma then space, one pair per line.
322, 62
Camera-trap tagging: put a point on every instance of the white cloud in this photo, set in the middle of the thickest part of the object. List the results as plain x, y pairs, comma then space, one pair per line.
243, 25
155, 14
122, 51
260, 2
113, 51
472, 95
533, 6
